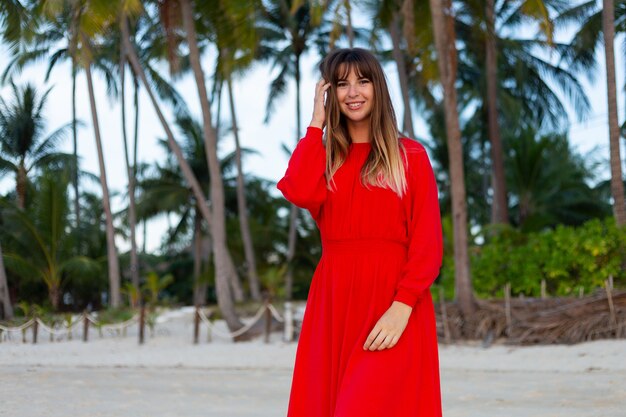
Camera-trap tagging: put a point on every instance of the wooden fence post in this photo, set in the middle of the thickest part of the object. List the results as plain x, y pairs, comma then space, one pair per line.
288, 317
85, 326
544, 294
507, 308
142, 323
196, 326
613, 319
35, 329
268, 320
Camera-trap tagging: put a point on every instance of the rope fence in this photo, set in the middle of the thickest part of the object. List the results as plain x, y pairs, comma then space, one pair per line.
71, 328
67, 330
291, 323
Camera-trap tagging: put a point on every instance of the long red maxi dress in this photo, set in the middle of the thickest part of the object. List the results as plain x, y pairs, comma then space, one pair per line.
376, 248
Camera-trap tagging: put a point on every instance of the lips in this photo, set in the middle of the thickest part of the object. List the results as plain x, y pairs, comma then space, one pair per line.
355, 105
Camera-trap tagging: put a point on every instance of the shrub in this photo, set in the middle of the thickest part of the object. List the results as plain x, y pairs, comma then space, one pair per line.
568, 258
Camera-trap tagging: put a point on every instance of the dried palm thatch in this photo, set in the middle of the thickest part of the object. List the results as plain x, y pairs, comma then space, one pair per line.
539, 321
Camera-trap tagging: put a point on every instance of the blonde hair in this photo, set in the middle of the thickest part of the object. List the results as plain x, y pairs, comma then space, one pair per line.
384, 166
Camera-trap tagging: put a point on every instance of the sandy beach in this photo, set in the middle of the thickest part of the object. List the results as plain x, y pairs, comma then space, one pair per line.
169, 376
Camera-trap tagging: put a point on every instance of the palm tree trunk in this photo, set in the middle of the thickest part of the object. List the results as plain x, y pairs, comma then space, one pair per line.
235, 283
293, 214
617, 184
398, 56
499, 208
113, 263
224, 296
130, 172
75, 147
443, 27
242, 205
135, 142
198, 299
54, 295
5, 299
224, 267
22, 183
349, 27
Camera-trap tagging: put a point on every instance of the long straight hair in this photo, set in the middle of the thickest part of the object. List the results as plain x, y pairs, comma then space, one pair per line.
384, 166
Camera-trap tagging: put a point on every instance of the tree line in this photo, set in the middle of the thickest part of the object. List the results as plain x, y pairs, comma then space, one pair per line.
495, 102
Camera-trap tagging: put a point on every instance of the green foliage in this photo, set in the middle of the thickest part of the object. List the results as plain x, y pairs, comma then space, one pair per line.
29, 310
567, 258
115, 315
273, 280
39, 247
154, 285
548, 182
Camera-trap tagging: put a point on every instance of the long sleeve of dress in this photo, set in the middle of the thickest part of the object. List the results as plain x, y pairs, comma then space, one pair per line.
425, 251
304, 182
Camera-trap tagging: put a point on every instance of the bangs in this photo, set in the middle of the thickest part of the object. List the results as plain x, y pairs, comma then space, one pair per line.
351, 62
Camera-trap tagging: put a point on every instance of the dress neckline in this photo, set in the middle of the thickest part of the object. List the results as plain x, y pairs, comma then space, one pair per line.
359, 144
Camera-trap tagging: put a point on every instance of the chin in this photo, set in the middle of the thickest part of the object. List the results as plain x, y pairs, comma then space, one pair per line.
356, 117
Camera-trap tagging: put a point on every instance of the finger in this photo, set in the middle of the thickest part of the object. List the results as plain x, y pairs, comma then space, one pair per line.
385, 344
371, 338
379, 339
394, 341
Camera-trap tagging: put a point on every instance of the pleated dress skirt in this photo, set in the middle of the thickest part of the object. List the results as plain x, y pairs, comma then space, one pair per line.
334, 376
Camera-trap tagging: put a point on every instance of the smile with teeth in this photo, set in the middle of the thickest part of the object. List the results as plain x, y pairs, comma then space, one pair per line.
355, 105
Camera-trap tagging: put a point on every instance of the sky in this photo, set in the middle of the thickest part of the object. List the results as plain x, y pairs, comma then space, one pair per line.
251, 93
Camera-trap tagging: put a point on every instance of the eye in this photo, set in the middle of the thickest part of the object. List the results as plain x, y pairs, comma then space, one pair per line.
364, 81
341, 84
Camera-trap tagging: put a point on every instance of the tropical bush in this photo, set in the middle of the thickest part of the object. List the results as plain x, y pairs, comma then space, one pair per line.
567, 258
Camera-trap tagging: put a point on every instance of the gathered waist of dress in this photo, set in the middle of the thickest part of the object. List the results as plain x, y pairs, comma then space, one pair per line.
361, 244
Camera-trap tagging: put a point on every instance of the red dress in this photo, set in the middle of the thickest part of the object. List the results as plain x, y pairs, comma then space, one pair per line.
376, 248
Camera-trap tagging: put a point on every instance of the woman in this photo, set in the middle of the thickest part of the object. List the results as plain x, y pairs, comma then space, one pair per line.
368, 345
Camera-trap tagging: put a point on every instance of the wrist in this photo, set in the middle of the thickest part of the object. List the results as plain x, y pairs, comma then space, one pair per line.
403, 306
317, 123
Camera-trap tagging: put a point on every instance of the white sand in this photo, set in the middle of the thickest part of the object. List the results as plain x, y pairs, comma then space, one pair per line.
169, 376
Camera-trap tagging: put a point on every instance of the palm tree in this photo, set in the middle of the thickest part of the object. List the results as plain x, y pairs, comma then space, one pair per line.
594, 25
63, 28
504, 85
617, 182
235, 38
165, 92
131, 173
42, 247
224, 267
91, 18
83, 20
227, 272
549, 183
22, 127
166, 191
443, 29
286, 31
401, 22
531, 89
500, 212
55, 38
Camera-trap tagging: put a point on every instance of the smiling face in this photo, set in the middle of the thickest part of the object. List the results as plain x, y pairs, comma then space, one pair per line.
358, 106
355, 96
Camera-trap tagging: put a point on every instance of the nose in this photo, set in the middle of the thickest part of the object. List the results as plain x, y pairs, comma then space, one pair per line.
352, 91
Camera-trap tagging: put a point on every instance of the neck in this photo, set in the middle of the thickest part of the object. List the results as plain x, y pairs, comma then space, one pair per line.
359, 131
